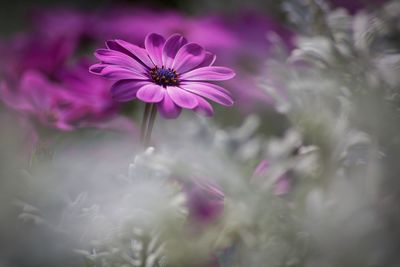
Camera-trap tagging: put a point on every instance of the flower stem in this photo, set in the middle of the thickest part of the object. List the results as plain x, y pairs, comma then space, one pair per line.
144, 122
152, 119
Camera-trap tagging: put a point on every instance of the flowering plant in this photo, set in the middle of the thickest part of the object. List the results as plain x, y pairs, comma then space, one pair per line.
172, 73
309, 178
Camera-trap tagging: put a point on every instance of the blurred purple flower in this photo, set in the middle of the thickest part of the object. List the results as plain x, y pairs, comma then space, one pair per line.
282, 186
91, 93
173, 73
36, 97
56, 23
134, 24
261, 168
254, 30
26, 51
205, 202
73, 99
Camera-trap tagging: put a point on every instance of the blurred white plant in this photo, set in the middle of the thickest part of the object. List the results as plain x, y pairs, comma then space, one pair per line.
337, 87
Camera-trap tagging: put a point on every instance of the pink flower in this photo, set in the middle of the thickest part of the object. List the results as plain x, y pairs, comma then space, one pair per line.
28, 51
63, 22
229, 37
71, 100
172, 73
205, 202
282, 186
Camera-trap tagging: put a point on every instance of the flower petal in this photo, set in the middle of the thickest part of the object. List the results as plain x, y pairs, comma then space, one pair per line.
151, 93
97, 68
118, 58
204, 108
125, 90
154, 45
132, 50
171, 47
208, 74
188, 57
35, 90
114, 72
182, 98
208, 60
168, 109
211, 91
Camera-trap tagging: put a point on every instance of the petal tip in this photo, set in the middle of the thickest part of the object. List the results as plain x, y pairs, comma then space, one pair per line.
96, 69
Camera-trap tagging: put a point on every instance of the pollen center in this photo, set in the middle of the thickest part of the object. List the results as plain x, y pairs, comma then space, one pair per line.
164, 77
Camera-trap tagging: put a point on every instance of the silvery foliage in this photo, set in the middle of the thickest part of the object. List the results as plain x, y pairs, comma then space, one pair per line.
82, 201
133, 232
339, 88
116, 221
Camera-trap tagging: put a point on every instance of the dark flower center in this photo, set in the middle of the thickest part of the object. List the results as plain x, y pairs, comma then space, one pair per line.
164, 77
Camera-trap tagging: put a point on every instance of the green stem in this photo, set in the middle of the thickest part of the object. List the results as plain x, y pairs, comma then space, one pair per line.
152, 119
144, 122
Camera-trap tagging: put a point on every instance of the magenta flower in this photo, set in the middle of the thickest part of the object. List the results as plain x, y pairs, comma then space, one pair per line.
205, 202
70, 100
33, 52
282, 186
172, 73
61, 22
35, 97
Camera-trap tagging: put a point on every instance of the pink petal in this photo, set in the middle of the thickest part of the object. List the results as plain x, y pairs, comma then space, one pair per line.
154, 45
168, 109
282, 186
182, 98
208, 60
119, 58
97, 68
151, 93
208, 74
211, 91
35, 88
125, 90
171, 47
188, 57
132, 50
261, 168
113, 72
14, 99
204, 108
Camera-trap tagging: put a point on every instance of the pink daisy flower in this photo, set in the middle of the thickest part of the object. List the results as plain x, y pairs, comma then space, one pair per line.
172, 73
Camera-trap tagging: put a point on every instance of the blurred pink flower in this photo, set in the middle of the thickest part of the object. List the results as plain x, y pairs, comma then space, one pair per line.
62, 22
72, 100
205, 202
134, 24
261, 168
282, 186
172, 73
249, 57
90, 92
27, 51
